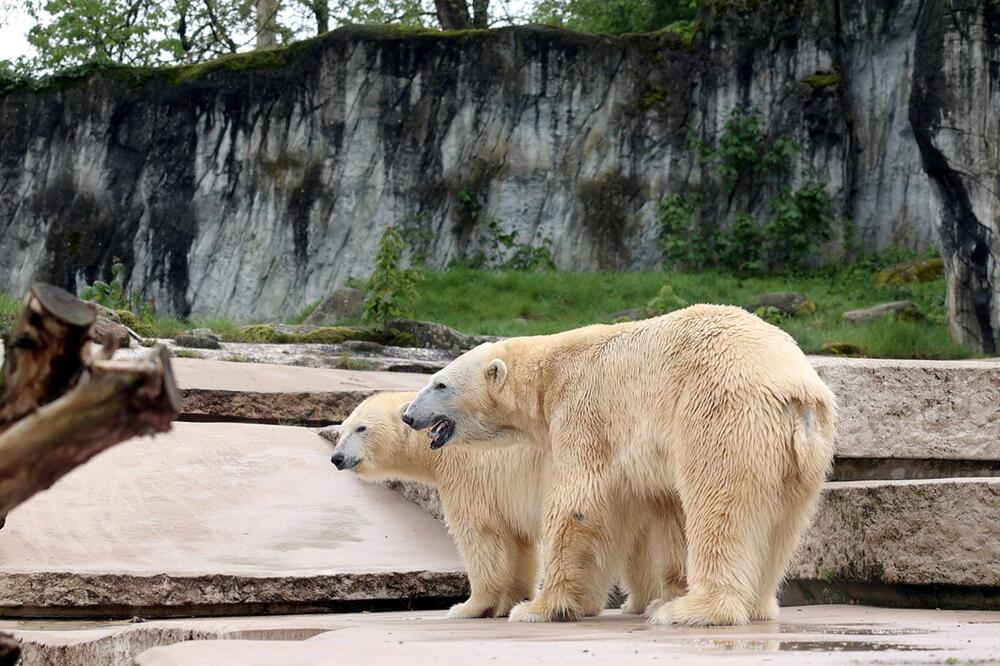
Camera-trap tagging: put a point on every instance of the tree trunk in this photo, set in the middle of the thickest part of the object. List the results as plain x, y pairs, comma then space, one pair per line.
267, 19
453, 14
321, 10
481, 14
59, 407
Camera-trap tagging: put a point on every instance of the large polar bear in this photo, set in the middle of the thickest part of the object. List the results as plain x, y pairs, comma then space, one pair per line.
492, 501
708, 402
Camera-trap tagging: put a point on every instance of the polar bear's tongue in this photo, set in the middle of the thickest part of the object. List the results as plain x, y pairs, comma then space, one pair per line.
441, 432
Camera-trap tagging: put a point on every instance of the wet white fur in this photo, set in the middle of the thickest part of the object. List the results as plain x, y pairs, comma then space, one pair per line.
492, 500
708, 404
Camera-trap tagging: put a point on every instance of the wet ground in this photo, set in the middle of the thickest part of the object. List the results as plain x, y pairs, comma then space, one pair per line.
804, 635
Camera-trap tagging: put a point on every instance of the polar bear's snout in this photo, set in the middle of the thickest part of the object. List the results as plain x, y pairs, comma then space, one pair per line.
426, 412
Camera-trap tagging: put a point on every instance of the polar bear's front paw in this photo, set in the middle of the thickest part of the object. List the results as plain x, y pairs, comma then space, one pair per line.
766, 610
654, 606
469, 609
702, 611
633, 606
525, 612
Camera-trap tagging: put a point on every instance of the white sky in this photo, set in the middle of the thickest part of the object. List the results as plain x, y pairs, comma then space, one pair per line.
16, 23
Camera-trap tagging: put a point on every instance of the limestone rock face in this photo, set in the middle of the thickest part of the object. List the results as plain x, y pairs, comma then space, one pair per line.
250, 189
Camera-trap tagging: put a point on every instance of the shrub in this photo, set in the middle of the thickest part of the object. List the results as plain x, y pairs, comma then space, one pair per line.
391, 289
800, 218
109, 294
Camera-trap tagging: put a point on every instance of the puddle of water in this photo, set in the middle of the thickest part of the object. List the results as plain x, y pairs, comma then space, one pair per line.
765, 645
848, 630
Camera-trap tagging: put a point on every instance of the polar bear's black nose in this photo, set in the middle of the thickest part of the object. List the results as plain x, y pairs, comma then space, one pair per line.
407, 419
338, 460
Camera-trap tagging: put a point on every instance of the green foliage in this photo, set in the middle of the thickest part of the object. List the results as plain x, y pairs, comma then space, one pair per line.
616, 16
109, 294
504, 249
800, 219
517, 303
10, 307
391, 289
680, 239
666, 301
742, 249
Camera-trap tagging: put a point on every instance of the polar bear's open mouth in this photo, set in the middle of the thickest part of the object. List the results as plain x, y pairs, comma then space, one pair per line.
441, 432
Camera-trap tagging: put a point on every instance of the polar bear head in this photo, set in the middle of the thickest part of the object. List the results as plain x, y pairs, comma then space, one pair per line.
465, 399
374, 442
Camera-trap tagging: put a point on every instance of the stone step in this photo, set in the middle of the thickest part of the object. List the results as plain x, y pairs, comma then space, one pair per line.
221, 519
905, 411
215, 519
263, 393
802, 635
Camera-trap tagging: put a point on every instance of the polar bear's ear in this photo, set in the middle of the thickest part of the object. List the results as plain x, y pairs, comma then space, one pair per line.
496, 371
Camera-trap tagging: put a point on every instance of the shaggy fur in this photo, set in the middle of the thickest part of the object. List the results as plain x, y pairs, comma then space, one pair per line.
492, 501
709, 405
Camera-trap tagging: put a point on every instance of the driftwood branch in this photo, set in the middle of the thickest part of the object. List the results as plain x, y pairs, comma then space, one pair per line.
59, 406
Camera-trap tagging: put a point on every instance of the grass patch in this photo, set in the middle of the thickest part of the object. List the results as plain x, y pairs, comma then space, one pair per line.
509, 303
9, 309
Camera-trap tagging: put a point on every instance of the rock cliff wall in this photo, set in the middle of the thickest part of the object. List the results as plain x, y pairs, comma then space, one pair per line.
253, 186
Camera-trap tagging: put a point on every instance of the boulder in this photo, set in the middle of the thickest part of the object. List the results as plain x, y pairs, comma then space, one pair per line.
105, 327
196, 341
904, 310
788, 303
204, 333
344, 303
910, 272
431, 335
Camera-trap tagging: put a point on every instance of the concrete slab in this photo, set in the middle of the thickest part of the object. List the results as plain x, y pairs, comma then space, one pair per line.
915, 409
215, 516
889, 409
912, 533
259, 393
810, 635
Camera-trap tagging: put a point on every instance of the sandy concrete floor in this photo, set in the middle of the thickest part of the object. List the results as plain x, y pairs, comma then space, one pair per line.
221, 498
804, 635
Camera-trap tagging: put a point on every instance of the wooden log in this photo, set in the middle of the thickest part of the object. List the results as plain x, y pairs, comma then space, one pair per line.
47, 352
59, 406
117, 401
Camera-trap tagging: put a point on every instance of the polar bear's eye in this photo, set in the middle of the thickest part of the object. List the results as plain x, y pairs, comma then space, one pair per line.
360, 429
440, 387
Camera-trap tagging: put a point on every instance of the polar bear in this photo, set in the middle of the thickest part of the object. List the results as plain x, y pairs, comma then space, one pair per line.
492, 501
708, 402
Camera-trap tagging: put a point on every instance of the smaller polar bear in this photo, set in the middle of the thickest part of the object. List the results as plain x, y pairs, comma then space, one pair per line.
492, 500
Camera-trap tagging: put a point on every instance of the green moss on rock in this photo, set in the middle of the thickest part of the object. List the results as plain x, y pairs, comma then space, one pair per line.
822, 80
651, 97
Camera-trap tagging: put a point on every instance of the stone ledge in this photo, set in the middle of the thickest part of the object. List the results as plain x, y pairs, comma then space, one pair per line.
905, 532
925, 410
915, 409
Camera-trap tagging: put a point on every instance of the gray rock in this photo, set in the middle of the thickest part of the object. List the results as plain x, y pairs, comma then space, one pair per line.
344, 303
789, 303
905, 310
430, 335
105, 327
197, 342
204, 333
